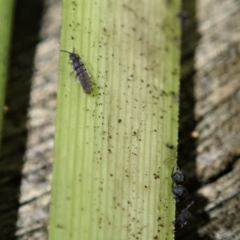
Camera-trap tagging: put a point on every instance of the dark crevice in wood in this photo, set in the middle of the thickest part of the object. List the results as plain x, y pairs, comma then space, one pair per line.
30, 232
231, 160
187, 122
34, 199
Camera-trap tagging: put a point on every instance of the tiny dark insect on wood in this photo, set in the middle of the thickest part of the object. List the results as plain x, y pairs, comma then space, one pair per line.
180, 193
183, 217
179, 177
81, 72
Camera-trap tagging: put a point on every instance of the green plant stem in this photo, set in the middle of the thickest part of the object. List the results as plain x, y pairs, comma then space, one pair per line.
6, 10
115, 149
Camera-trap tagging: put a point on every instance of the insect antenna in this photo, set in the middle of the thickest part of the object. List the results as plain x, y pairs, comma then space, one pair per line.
189, 205
65, 51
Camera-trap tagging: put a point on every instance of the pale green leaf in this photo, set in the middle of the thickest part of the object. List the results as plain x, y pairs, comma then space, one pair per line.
115, 149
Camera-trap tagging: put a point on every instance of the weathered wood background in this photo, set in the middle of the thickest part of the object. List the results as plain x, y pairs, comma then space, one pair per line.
209, 139
209, 149
26, 164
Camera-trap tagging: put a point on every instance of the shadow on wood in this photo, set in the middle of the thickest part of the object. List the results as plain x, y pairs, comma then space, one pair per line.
26, 25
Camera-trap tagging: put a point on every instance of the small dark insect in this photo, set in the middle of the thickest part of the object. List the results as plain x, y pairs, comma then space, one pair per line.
180, 193
179, 177
183, 217
184, 17
81, 72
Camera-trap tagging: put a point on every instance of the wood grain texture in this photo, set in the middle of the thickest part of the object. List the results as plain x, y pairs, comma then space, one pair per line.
210, 119
26, 163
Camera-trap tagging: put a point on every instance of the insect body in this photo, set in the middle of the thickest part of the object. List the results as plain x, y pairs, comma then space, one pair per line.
183, 217
81, 72
180, 193
179, 177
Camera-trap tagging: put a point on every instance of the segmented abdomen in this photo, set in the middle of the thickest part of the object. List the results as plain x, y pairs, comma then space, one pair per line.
84, 78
